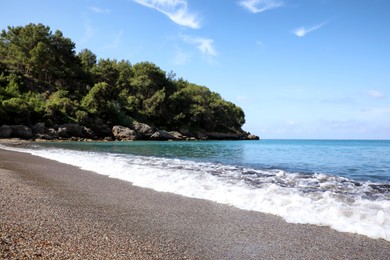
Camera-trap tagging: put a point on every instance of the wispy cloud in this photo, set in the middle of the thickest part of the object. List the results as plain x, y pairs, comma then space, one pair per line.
176, 10
205, 45
99, 10
258, 6
302, 31
375, 94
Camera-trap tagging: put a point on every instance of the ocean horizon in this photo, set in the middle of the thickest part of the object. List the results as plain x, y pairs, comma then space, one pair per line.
343, 184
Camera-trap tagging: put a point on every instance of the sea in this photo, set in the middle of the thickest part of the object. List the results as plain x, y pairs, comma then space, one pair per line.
342, 184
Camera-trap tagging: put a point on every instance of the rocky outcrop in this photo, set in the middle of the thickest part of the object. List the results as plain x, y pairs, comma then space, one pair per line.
144, 130
21, 131
5, 131
137, 131
162, 135
40, 131
252, 137
39, 128
178, 136
226, 136
124, 133
75, 130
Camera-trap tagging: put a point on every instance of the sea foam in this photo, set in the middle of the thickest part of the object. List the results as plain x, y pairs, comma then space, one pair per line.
319, 199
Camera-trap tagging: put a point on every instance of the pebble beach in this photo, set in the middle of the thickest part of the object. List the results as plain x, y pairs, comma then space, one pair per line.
51, 210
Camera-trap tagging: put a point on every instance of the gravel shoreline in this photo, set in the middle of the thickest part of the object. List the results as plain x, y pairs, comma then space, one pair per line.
51, 210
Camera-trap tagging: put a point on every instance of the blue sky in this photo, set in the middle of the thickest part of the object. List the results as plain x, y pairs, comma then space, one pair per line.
298, 68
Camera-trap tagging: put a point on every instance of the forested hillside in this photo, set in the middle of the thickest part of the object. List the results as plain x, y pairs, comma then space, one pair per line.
43, 79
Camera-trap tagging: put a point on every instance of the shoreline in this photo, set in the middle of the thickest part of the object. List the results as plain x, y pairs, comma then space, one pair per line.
51, 209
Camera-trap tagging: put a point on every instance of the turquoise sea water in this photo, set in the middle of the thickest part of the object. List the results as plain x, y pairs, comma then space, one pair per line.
357, 160
336, 183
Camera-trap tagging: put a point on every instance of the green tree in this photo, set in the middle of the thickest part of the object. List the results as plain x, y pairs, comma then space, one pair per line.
15, 111
42, 79
44, 59
88, 59
60, 108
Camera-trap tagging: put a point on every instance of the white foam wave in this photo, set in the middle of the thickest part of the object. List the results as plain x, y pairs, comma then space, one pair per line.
223, 184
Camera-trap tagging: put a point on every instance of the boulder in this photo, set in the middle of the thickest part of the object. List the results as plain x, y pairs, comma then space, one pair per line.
22, 132
145, 130
5, 131
71, 130
124, 133
202, 136
75, 130
100, 128
89, 133
39, 128
162, 135
177, 135
253, 137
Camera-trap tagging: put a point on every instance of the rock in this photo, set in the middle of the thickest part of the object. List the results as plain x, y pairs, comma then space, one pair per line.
202, 136
253, 137
100, 128
39, 128
124, 133
227, 136
21, 131
222, 136
71, 130
145, 130
162, 135
5, 131
46, 136
89, 133
177, 135
75, 130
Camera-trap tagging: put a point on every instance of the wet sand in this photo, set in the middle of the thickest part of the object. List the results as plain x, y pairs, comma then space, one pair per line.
53, 210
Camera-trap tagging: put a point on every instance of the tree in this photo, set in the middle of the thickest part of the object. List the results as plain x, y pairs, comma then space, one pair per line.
46, 60
42, 79
88, 59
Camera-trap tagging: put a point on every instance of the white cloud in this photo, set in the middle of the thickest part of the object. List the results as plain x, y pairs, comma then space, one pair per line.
205, 45
376, 94
302, 31
258, 6
99, 10
176, 10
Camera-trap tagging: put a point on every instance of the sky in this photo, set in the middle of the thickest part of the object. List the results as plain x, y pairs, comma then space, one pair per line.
300, 69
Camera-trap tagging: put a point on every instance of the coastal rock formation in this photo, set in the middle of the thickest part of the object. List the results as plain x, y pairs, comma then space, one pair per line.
21, 131
5, 131
252, 137
39, 128
75, 130
144, 130
138, 131
178, 136
162, 135
124, 133
223, 136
